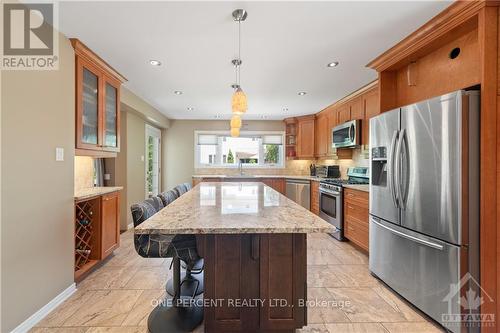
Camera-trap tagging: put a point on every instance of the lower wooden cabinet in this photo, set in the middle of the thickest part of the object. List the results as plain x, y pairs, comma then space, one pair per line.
315, 197
97, 230
110, 227
356, 217
254, 267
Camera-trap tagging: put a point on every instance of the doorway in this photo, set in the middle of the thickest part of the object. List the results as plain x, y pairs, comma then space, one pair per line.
153, 167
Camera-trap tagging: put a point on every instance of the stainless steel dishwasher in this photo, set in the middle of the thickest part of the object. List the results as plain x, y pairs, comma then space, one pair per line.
299, 190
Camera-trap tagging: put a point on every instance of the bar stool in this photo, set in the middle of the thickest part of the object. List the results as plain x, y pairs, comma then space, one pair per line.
180, 189
166, 318
191, 285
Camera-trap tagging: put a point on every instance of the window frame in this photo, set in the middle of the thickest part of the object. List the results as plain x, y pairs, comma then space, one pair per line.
198, 165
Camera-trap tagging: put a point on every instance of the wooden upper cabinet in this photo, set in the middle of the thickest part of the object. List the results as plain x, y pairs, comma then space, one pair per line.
332, 122
371, 109
97, 103
344, 113
321, 131
305, 137
371, 104
357, 108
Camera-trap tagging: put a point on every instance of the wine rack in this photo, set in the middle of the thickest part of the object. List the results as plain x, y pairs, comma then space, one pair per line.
87, 214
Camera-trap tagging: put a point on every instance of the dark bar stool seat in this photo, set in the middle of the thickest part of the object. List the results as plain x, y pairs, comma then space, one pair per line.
168, 197
165, 318
192, 278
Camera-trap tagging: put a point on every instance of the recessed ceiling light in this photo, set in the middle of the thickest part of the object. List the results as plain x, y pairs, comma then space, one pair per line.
301, 93
178, 92
190, 109
285, 109
155, 62
333, 64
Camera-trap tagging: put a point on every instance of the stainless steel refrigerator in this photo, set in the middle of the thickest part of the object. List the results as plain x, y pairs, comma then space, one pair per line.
424, 202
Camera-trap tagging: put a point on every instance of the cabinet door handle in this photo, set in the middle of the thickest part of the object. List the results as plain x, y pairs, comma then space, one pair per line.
255, 240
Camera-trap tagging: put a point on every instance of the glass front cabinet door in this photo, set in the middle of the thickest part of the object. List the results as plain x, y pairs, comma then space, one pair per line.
88, 96
97, 104
111, 121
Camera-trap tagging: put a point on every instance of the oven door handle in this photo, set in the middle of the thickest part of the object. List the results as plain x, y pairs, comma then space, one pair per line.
329, 192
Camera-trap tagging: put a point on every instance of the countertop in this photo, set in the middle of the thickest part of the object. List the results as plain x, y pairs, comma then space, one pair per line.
259, 176
233, 208
90, 192
363, 187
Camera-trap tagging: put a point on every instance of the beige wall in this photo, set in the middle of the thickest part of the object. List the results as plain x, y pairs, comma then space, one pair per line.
136, 150
143, 109
37, 192
128, 169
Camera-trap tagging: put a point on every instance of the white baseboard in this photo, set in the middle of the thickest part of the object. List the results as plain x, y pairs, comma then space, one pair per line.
26, 325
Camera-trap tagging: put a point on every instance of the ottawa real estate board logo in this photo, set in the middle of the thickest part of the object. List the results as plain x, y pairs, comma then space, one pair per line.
30, 37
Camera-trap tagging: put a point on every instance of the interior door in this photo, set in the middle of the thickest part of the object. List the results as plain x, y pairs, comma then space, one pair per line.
383, 134
429, 148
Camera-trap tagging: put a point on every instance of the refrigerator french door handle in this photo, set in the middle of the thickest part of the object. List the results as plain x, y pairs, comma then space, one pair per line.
398, 168
409, 237
392, 169
405, 170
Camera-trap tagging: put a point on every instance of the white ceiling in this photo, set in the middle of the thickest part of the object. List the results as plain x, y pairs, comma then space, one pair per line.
285, 49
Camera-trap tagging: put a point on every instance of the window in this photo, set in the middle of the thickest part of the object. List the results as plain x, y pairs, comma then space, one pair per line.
251, 149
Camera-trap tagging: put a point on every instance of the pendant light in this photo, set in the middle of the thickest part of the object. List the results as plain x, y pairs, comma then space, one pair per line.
239, 104
235, 132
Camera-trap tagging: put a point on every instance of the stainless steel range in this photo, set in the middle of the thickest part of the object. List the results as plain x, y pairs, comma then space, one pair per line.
331, 197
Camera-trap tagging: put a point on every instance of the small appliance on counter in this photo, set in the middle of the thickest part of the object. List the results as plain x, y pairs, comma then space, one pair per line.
312, 170
331, 197
328, 171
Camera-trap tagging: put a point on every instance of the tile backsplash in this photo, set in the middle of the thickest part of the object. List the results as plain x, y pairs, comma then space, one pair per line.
84, 172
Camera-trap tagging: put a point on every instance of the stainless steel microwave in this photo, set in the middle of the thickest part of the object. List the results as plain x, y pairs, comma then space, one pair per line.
346, 135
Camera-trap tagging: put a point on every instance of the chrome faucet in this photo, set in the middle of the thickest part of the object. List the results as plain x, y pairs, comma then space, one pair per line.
240, 167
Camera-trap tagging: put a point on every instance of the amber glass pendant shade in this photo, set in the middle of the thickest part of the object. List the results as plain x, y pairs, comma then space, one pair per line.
235, 132
239, 102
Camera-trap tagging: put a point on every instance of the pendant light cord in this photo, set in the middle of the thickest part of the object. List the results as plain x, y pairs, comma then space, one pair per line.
239, 51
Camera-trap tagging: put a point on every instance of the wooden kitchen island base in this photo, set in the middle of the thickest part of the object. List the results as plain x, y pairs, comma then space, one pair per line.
254, 282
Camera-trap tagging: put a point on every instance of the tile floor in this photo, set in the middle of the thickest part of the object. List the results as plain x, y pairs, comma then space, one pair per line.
117, 296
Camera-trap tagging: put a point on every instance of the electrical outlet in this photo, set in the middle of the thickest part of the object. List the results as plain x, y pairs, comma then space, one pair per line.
107, 176
59, 154
142, 158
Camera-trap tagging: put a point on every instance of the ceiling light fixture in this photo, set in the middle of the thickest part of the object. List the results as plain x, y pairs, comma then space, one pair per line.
153, 62
333, 64
178, 92
239, 103
301, 93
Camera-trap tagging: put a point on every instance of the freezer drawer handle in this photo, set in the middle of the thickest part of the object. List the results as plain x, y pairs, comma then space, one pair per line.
415, 239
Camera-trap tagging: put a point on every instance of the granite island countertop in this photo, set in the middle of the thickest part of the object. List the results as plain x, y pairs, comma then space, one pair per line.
233, 208
90, 192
